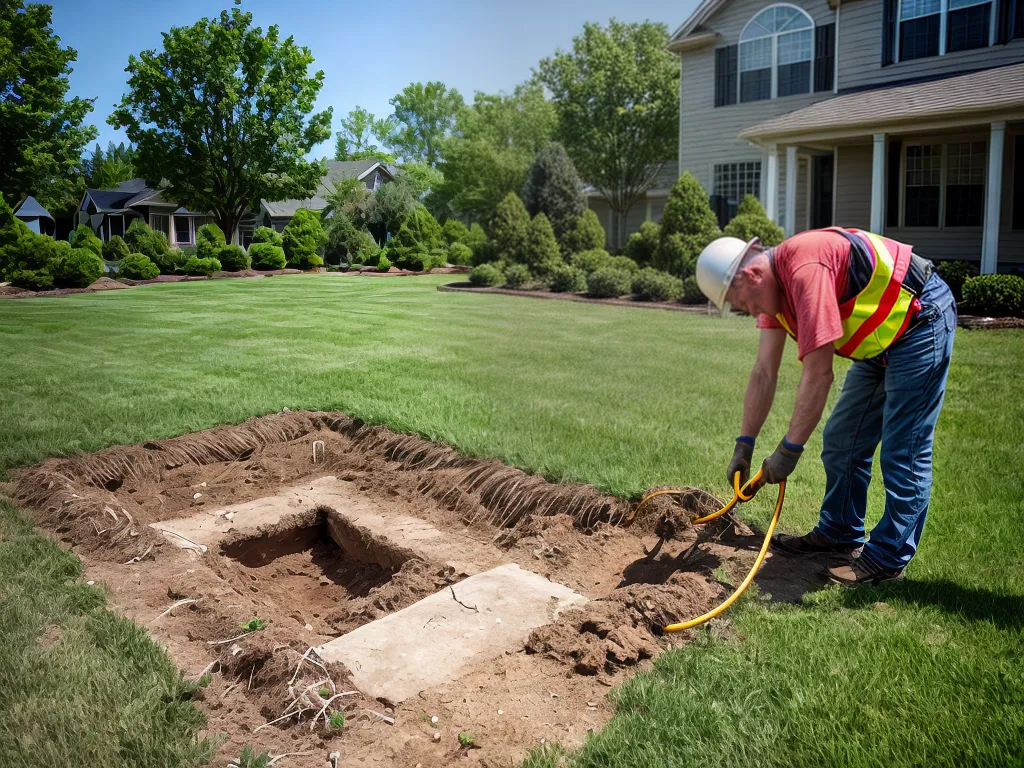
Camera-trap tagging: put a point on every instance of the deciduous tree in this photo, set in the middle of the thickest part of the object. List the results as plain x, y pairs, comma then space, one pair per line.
424, 116
41, 132
617, 98
362, 136
223, 115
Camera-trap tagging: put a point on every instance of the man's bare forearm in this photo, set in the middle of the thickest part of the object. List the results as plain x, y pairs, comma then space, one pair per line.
811, 394
757, 402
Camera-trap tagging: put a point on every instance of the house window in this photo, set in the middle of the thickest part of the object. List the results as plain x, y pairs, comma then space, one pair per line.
965, 184
776, 51
245, 235
935, 27
183, 230
158, 223
116, 226
734, 181
922, 197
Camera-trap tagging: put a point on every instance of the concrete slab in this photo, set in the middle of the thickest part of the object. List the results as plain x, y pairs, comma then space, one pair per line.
205, 530
434, 641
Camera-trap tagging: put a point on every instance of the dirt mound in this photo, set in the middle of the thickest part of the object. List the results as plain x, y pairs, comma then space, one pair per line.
107, 284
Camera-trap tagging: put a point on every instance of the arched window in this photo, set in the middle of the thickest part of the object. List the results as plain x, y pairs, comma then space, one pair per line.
776, 51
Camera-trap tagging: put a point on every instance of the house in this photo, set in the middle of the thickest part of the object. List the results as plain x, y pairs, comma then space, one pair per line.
35, 217
905, 117
110, 211
647, 208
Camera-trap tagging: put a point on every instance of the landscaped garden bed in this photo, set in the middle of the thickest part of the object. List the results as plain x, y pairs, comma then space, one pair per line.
247, 550
702, 309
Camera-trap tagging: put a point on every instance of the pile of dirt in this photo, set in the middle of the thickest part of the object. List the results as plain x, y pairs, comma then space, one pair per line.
107, 284
308, 580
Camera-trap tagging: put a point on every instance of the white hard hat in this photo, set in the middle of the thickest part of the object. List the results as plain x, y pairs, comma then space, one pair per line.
717, 266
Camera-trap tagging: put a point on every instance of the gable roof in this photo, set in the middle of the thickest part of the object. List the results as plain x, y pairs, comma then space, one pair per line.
336, 171
702, 13
31, 209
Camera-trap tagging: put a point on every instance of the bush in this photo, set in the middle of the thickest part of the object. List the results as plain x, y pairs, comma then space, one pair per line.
487, 275
197, 266
136, 266
640, 246
751, 221
233, 258
267, 256
460, 254
995, 295
586, 235
115, 249
419, 244
652, 285
509, 228
692, 294
383, 263
591, 261
553, 187
541, 254
477, 238
267, 235
84, 237
455, 231
955, 274
32, 279
304, 238
568, 279
142, 239
209, 241
77, 268
517, 275
687, 225
624, 263
608, 283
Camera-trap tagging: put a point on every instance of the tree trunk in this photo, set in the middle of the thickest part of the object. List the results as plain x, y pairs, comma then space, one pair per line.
228, 223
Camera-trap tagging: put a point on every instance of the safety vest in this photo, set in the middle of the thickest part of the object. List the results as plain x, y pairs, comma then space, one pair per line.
877, 314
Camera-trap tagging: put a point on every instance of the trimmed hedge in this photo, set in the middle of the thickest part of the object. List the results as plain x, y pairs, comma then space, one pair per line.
137, 266
624, 263
142, 239
268, 235
233, 258
209, 240
115, 249
692, 294
608, 283
460, 254
204, 267
591, 261
995, 295
487, 275
304, 238
653, 285
78, 268
568, 279
955, 274
84, 237
587, 235
640, 246
383, 263
267, 256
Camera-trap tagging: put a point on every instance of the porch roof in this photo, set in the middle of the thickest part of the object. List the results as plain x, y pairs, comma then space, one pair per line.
973, 98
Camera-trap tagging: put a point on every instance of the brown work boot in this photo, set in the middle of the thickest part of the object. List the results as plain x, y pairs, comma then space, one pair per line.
862, 572
813, 543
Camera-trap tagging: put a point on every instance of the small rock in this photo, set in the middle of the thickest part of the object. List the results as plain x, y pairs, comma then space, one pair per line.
501, 712
309, 627
202, 484
324, 581
196, 496
90, 583
286, 410
229, 516
433, 720
497, 621
402, 655
437, 736
591, 703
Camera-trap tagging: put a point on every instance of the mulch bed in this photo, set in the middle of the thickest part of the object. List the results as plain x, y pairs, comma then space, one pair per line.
396, 272
696, 309
976, 323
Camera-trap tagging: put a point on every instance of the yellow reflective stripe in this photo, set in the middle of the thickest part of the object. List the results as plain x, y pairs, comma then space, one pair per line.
882, 337
866, 302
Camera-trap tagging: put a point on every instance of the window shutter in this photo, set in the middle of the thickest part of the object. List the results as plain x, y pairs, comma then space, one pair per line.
888, 31
1004, 10
726, 73
824, 57
892, 191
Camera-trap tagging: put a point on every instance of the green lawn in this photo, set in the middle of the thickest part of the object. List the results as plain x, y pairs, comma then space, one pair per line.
930, 671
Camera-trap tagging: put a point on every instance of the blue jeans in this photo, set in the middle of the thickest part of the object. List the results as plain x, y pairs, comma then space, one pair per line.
894, 399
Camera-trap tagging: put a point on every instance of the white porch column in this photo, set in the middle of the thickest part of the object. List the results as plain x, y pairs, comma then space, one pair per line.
878, 184
993, 197
771, 184
790, 225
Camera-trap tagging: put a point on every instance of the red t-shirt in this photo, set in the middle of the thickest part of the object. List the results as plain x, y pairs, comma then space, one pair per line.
812, 268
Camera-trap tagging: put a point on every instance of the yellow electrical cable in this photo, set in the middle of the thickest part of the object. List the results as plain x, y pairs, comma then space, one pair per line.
746, 493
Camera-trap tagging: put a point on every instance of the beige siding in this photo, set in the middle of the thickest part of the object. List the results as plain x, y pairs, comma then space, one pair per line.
707, 134
860, 52
853, 187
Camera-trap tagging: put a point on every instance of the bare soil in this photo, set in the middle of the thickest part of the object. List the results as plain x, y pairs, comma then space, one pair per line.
308, 589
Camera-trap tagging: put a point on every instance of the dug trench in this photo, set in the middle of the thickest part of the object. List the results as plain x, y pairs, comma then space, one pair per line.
288, 563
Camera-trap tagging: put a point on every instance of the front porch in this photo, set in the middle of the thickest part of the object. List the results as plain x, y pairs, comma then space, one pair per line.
939, 165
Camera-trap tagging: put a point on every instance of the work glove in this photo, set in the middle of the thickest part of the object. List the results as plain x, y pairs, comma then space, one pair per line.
741, 457
780, 464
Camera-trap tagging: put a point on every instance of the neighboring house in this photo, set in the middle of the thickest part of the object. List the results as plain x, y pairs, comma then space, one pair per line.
36, 218
648, 208
110, 211
905, 117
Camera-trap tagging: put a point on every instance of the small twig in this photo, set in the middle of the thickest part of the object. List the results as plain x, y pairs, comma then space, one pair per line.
287, 754
139, 558
229, 640
251, 673
207, 668
468, 607
385, 718
323, 711
282, 717
186, 601
196, 545
229, 689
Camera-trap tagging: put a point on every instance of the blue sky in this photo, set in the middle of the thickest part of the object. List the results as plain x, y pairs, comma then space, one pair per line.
368, 51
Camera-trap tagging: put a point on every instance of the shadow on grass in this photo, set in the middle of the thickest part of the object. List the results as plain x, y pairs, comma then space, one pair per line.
972, 604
